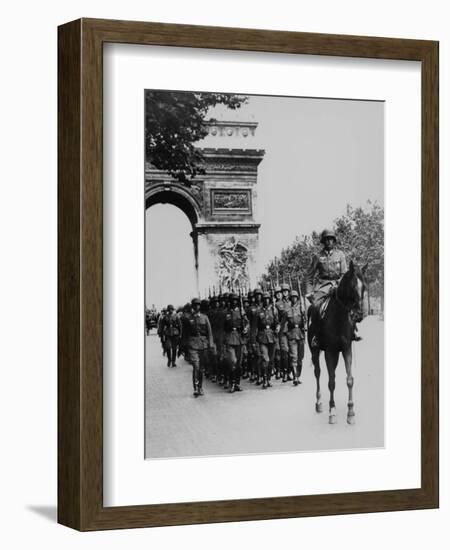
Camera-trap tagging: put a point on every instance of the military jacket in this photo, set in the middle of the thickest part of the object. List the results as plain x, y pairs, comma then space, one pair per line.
293, 322
252, 315
267, 325
326, 266
199, 334
171, 325
216, 317
160, 324
281, 306
235, 326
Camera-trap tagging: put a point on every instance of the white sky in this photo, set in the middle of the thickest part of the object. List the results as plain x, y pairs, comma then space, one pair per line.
321, 154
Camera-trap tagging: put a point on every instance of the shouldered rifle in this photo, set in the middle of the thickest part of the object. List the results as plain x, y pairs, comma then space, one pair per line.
302, 301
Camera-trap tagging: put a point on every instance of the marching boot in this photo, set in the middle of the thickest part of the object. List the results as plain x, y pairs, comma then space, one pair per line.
264, 386
269, 385
196, 392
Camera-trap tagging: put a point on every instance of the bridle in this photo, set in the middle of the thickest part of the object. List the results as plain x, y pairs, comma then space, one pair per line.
355, 310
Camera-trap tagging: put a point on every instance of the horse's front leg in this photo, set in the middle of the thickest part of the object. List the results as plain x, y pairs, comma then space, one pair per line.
348, 368
316, 362
331, 357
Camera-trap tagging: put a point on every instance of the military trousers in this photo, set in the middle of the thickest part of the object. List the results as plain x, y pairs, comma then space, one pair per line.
296, 354
253, 358
233, 355
266, 353
171, 346
198, 359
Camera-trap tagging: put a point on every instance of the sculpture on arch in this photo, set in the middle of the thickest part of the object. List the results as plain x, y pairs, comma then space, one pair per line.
232, 266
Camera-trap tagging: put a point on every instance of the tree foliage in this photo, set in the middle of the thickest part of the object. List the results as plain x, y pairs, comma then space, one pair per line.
360, 235
174, 121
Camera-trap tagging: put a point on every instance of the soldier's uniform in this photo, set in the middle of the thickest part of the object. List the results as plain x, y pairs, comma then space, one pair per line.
281, 305
293, 323
171, 329
245, 347
324, 274
255, 363
199, 340
159, 330
216, 318
267, 319
183, 316
236, 326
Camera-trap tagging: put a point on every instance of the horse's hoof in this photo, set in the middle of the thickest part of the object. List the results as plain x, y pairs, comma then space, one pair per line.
351, 419
319, 408
332, 419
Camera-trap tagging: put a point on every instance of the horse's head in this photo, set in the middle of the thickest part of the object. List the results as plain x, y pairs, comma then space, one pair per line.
351, 290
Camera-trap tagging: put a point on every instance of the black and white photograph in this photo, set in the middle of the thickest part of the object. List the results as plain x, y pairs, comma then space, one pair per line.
264, 274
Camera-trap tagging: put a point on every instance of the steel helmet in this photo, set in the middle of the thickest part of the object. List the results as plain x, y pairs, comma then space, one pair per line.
195, 301
294, 293
327, 233
285, 286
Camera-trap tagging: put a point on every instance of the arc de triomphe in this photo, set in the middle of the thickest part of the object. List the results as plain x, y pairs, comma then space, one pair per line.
220, 204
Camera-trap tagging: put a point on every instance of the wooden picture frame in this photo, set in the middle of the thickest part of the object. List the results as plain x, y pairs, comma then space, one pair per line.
80, 272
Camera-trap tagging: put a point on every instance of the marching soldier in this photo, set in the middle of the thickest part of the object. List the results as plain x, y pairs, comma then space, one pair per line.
245, 347
236, 326
216, 318
268, 327
253, 338
171, 330
281, 306
324, 274
293, 324
199, 341
184, 316
159, 330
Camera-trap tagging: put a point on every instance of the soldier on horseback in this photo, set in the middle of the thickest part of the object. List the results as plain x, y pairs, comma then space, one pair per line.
324, 274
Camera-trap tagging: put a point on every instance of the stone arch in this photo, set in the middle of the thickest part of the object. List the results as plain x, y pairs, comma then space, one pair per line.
177, 196
182, 199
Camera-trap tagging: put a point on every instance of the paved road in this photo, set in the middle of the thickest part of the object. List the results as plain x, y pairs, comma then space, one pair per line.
279, 419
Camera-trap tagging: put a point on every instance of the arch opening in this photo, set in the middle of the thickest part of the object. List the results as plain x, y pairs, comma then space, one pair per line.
171, 269
176, 198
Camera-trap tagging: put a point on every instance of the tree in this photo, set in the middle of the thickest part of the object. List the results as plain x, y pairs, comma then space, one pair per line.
293, 262
174, 121
361, 236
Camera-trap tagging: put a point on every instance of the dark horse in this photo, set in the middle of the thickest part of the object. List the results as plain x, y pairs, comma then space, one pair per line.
334, 335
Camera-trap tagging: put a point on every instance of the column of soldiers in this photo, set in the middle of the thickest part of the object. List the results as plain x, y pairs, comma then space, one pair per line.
233, 337
256, 337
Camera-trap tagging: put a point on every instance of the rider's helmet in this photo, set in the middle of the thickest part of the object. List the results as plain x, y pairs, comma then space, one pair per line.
327, 233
